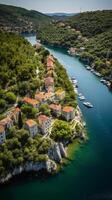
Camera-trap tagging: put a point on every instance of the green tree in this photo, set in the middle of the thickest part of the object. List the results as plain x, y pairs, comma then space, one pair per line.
10, 97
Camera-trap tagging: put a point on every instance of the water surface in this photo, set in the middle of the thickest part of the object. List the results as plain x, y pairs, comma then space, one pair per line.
89, 175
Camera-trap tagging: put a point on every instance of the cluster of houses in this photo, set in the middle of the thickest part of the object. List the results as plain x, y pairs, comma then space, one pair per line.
43, 123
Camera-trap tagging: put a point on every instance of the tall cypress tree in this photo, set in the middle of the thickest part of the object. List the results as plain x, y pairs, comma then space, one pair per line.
20, 121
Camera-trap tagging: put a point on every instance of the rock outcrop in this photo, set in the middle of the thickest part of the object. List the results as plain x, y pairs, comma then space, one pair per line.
57, 152
49, 165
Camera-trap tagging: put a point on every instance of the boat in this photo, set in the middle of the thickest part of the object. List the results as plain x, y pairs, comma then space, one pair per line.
88, 67
103, 81
97, 74
80, 94
92, 70
88, 104
82, 98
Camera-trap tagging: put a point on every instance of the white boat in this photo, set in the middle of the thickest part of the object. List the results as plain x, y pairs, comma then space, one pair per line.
92, 70
97, 74
80, 94
103, 81
88, 104
88, 67
82, 98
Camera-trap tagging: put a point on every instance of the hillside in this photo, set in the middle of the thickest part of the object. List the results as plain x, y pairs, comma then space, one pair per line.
17, 69
91, 23
19, 19
90, 30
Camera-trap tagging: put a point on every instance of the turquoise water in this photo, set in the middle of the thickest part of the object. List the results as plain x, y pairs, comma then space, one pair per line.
89, 174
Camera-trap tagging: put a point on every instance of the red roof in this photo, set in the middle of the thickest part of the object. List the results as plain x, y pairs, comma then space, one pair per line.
31, 123
40, 96
49, 81
55, 107
30, 101
42, 118
5, 121
68, 109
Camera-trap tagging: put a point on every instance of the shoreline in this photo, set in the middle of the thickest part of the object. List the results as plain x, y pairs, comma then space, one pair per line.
49, 167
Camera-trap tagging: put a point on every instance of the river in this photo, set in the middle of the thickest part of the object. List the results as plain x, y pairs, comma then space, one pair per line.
89, 175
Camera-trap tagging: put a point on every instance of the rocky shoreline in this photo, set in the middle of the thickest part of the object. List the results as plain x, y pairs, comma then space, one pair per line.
54, 157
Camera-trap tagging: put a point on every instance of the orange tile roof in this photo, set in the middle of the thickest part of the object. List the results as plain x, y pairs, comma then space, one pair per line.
42, 118
2, 129
49, 94
50, 57
30, 101
49, 81
31, 123
40, 96
68, 109
55, 107
5, 121
16, 110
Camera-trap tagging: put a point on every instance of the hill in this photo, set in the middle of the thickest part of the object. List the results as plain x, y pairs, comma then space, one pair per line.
90, 30
60, 16
19, 19
91, 23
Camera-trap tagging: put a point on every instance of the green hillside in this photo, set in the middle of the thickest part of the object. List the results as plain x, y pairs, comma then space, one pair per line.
91, 30
16, 18
92, 23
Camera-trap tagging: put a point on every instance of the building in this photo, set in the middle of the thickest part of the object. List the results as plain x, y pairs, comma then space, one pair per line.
43, 97
82, 49
32, 127
6, 123
14, 114
49, 84
56, 109
33, 102
2, 134
49, 96
60, 94
40, 96
50, 62
44, 123
68, 113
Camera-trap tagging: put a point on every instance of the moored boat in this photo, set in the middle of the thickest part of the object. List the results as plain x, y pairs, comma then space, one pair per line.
82, 98
88, 104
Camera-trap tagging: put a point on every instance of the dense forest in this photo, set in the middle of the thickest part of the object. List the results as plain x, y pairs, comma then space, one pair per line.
91, 23
19, 19
18, 65
90, 30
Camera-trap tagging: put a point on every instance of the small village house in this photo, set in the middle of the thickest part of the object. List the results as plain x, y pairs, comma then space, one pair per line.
44, 123
56, 109
68, 113
6, 123
32, 127
49, 84
2, 134
33, 102
60, 94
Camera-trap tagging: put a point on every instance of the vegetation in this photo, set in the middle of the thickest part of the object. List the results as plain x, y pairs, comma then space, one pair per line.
91, 30
91, 23
62, 80
21, 20
18, 65
20, 148
61, 131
